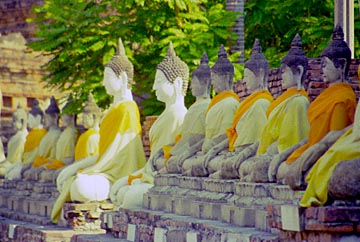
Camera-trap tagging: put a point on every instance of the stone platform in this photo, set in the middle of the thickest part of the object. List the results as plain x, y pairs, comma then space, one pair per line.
178, 208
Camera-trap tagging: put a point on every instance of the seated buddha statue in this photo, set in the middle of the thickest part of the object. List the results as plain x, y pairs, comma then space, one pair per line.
120, 147
287, 123
65, 147
249, 119
170, 85
47, 146
15, 146
88, 142
31, 147
193, 127
336, 174
332, 110
219, 114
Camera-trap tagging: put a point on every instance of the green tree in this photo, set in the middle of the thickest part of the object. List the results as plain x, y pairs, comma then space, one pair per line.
275, 23
82, 35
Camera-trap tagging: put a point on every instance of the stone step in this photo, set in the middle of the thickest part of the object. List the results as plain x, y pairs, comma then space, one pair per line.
148, 225
20, 216
19, 231
95, 238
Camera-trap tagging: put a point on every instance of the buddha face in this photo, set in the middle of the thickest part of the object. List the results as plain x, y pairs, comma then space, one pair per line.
219, 82
196, 88
50, 120
330, 73
287, 76
18, 123
164, 90
33, 121
88, 120
112, 83
67, 119
250, 80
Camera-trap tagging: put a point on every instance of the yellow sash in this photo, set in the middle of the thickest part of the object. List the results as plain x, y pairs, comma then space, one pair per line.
55, 164
243, 107
322, 117
33, 139
290, 92
122, 124
39, 161
167, 148
81, 146
221, 96
133, 177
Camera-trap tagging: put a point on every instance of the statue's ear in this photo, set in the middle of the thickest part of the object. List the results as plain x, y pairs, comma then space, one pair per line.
300, 69
124, 78
342, 62
262, 73
178, 84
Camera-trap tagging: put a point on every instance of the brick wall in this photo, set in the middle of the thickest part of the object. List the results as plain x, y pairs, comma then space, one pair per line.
13, 14
313, 83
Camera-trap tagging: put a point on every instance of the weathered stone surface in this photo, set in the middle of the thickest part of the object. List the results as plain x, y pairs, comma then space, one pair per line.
344, 183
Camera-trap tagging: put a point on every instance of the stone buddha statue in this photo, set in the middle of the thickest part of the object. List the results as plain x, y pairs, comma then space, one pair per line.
223, 160
332, 110
31, 147
88, 142
193, 127
336, 174
171, 81
65, 146
287, 123
219, 114
15, 146
47, 146
120, 146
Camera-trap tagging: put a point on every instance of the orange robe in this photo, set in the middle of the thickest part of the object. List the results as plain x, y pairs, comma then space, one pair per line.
333, 109
241, 110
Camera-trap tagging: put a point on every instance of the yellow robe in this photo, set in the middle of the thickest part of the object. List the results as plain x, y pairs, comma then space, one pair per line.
287, 121
333, 109
16, 146
218, 117
32, 143
65, 148
47, 147
249, 119
121, 119
87, 144
194, 124
345, 148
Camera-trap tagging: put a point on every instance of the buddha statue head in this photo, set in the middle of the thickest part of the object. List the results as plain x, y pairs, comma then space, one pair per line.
68, 117
35, 116
19, 118
336, 58
201, 79
119, 72
52, 114
256, 70
294, 65
171, 78
91, 113
222, 73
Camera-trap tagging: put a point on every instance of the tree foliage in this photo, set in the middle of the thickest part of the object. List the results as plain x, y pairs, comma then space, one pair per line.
275, 23
81, 36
